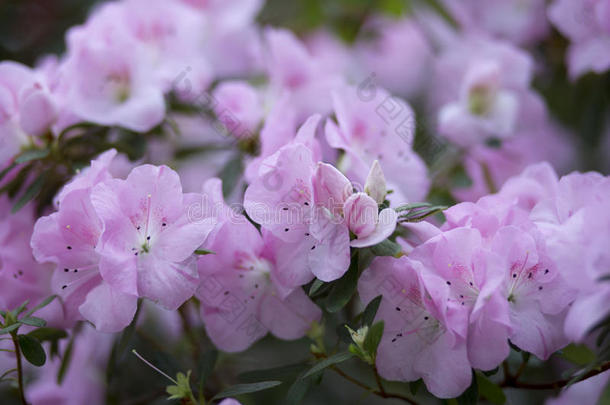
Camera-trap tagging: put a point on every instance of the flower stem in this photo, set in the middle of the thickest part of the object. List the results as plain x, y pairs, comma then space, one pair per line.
381, 392
19, 369
513, 383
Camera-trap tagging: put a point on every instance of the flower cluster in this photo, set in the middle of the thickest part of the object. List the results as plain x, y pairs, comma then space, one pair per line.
185, 166
501, 269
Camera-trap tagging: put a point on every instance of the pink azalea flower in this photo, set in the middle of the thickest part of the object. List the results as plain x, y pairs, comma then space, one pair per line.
480, 87
106, 166
399, 54
575, 219
294, 72
521, 22
68, 238
27, 108
279, 129
312, 209
586, 24
107, 76
419, 340
238, 108
463, 276
21, 278
372, 125
230, 401
281, 199
241, 295
512, 157
359, 212
589, 391
537, 294
149, 235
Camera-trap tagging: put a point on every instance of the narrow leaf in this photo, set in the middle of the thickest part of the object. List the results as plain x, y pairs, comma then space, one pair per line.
386, 248
20, 308
65, 361
490, 391
343, 289
370, 311
240, 389
43, 304
373, 337
33, 154
7, 169
48, 334
207, 364
315, 286
9, 328
578, 354
329, 361
471, 395
281, 373
30, 193
299, 389
33, 321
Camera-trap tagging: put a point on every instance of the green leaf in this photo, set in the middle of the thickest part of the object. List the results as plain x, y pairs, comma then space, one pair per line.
415, 385
9, 328
65, 361
419, 214
438, 7
240, 389
281, 373
386, 248
182, 389
373, 337
299, 389
207, 363
408, 207
30, 193
230, 174
48, 334
43, 304
343, 289
329, 361
371, 310
33, 154
315, 286
7, 372
33, 321
471, 395
491, 372
490, 391
7, 169
203, 252
578, 354
32, 350
365, 257
20, 308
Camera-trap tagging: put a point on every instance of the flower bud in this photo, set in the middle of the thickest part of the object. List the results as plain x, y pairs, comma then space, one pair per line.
361, 214
375, 183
